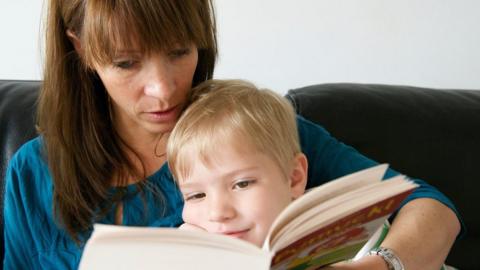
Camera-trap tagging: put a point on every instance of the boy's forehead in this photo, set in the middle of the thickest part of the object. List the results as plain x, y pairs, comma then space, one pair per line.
213, 156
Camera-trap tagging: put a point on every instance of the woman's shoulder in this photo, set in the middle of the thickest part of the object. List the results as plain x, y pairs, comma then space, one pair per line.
313, 136
29, 153
308, 128
29, 149
27, 166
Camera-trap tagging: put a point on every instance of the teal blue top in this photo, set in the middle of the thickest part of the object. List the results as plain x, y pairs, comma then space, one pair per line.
34, 241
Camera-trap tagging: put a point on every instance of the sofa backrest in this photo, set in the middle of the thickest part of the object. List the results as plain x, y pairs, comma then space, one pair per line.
429, 134
425, 133
17, 125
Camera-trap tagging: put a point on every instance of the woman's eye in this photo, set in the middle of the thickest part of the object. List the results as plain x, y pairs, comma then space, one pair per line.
126, 64
177, 53
243, 184
194, 196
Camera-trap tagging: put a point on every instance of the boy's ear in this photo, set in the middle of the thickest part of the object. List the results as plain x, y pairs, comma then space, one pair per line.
298, 175
75, 41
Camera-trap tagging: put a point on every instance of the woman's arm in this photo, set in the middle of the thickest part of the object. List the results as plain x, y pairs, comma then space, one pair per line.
421, 236
423, 233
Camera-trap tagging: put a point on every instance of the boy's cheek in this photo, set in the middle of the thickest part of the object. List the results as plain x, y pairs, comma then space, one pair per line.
192, 216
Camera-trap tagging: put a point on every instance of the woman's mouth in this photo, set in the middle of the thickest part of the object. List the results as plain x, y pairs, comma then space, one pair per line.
163, 116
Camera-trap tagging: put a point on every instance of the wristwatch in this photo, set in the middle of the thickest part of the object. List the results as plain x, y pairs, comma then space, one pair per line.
392, 260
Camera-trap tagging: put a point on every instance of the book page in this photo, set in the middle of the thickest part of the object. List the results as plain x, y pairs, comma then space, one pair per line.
121, 247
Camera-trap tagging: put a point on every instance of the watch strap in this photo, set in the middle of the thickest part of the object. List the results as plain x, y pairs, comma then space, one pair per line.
389, 256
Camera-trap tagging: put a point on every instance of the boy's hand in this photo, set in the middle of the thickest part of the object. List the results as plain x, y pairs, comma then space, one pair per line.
190, 227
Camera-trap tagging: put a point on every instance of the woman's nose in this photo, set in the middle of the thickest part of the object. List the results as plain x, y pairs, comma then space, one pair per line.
160, 81
221, 208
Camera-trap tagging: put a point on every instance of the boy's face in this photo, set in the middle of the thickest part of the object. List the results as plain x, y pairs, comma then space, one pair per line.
237, 194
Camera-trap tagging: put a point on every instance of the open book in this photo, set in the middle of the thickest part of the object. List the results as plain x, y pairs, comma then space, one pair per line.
330, 223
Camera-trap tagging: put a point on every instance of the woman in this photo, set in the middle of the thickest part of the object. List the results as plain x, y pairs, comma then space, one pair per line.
116, 78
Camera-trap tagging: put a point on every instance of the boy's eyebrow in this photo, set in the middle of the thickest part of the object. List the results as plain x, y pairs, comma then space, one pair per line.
189, 184
182, 184
239, 171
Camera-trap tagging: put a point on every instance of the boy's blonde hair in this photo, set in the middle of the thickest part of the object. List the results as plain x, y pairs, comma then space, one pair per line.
236, 113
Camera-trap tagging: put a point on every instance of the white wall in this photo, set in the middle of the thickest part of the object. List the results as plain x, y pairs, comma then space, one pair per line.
19, 39
283, 44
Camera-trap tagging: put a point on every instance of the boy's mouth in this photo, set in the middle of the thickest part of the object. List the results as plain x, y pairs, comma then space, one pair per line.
236, 234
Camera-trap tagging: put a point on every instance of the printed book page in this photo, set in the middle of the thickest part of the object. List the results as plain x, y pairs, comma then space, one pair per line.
318, 195
324, 251
339, 240
336, 208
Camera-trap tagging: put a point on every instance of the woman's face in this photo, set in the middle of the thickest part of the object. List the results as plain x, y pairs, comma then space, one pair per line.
148, 92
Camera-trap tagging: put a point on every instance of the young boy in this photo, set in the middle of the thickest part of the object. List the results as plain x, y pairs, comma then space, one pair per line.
236, 157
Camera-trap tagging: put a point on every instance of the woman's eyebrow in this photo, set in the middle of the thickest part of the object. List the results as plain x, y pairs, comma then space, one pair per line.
127, 51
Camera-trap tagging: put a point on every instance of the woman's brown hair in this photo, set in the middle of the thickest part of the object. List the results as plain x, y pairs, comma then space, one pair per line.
82, 149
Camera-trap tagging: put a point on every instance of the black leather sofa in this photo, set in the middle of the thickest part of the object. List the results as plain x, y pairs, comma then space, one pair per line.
426, 133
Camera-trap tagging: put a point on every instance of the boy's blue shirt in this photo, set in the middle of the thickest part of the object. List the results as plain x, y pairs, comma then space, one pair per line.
33, 240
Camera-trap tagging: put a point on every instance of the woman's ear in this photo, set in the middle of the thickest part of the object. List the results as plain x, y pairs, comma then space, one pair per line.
75, 41
298, 175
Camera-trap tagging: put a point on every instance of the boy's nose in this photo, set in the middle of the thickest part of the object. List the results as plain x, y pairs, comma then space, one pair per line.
221, 209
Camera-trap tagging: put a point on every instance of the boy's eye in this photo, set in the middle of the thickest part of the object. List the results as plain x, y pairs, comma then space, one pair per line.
177, 53
194, 196
242, 184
